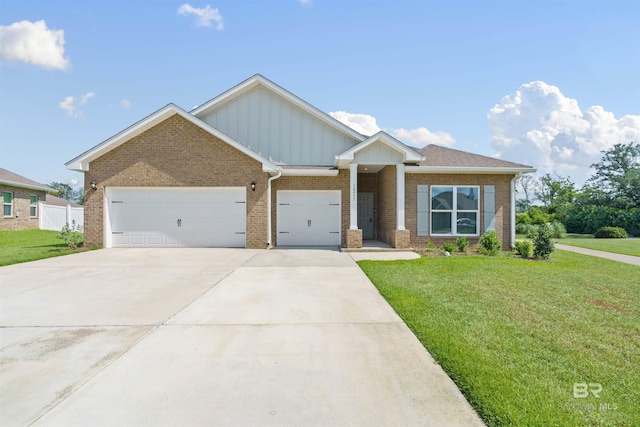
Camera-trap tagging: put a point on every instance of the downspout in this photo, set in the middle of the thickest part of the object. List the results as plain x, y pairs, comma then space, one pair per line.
278, 175
512, 222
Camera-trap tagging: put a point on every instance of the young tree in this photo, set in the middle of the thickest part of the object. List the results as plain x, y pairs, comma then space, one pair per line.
618, 175
527, 183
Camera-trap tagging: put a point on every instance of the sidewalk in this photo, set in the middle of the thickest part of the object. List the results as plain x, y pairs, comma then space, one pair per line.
627, 259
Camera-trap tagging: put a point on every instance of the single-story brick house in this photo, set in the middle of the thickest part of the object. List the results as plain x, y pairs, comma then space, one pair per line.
20, 199
257, 166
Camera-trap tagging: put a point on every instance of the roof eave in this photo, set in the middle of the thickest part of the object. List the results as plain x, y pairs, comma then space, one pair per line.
310, 172
468, 169
27, 186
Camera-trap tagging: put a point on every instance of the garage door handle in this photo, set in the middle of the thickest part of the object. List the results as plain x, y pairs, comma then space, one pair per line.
179, 223
309, 223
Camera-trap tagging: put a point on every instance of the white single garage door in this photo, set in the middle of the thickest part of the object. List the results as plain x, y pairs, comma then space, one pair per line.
177, 216
308, 218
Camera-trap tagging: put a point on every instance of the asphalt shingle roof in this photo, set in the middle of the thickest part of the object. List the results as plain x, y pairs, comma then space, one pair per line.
436, 155
7, 176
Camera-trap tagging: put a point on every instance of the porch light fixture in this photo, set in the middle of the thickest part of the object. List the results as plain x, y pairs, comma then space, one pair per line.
253, 186
94, 185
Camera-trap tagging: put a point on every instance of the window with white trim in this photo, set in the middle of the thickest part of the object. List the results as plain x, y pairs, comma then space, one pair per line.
455, 210
33, 206
7, 203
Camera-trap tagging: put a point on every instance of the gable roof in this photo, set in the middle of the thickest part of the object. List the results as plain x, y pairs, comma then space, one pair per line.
81, 163
260, 80
444, 159
14, 180
408, 154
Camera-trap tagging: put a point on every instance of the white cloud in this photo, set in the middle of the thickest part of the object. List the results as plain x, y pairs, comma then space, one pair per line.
422, 136
361, 123
419, 137
538, 125
33, 43
125, 103
69, 105
305, 2
204, 15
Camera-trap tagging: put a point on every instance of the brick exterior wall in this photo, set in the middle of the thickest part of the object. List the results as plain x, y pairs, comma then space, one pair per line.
502, 183
386, 205
340, 182
21, 204
176, 153
354, 239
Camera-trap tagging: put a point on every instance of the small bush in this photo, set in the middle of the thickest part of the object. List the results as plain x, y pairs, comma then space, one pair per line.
523, 219
543, 243
524, 248
557, 230
490, 244
448, 247
527, 229
611, 233
430, 246
72, 235
462, 243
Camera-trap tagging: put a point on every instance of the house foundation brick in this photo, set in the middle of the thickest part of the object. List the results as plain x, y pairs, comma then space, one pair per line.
354, 239
401, 239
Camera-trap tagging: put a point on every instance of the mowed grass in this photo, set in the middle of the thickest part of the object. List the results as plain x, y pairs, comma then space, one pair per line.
30, 245
618, 246
516, 335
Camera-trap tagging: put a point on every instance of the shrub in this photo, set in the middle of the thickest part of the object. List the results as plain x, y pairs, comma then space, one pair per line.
524, 248
72, 235
527, 229
429, 245
462, 244
611, 233
448, 247
543, 243
490, 244
557, 230
523, 218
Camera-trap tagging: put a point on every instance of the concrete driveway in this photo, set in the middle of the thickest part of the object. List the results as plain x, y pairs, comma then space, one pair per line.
223, 337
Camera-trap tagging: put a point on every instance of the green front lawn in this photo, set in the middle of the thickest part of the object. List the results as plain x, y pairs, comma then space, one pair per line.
30, 245
516, 335
618, 246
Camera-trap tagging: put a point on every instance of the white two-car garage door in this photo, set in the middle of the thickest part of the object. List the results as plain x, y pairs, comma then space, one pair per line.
308, 218
177, 216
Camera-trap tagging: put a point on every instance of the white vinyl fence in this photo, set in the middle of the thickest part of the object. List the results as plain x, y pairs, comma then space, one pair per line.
55, 217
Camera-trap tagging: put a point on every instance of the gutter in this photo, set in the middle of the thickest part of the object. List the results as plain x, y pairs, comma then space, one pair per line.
269, 243
512, 222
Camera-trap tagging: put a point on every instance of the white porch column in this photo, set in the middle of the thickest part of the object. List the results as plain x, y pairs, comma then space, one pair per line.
353, 196
400, 197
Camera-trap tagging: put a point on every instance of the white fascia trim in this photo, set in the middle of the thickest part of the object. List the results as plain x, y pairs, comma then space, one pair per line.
343, 159
27, 186
464, 170
81, 163
258, 79
310, 172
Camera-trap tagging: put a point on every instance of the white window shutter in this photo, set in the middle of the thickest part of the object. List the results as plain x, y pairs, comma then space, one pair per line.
423, 210
489, 207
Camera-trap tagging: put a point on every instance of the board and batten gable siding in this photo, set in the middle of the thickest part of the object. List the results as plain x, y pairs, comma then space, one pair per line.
278, 130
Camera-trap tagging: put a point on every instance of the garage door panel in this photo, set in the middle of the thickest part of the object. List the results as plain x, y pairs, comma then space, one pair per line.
309, 218
197, 217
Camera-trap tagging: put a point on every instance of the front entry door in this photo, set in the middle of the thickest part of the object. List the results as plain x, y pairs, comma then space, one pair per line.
365, 214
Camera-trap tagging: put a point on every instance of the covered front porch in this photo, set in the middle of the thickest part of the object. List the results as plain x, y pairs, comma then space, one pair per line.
377, 191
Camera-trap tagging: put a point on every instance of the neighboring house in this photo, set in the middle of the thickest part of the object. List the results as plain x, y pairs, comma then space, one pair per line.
20, 199
57, 201
257, 166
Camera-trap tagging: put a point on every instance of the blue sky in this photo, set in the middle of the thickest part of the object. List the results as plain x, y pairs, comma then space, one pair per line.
549, 84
